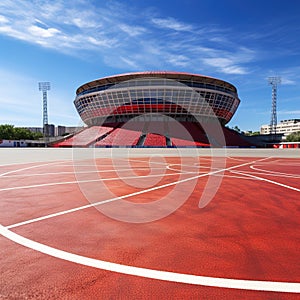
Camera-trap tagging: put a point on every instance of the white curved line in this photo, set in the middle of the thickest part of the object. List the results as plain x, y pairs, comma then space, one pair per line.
77, 172
83, 181
169, 167
282, 175
267, 180
275, 173
234, 158
271, 286
28, 168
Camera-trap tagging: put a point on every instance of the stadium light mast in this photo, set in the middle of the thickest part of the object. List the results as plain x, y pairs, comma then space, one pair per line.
274, 81
44, 87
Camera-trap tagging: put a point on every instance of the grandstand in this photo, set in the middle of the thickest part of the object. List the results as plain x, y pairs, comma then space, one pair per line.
100, 136
120, 137
85, 138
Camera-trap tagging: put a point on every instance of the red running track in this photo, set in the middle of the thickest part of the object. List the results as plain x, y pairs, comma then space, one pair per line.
60, 240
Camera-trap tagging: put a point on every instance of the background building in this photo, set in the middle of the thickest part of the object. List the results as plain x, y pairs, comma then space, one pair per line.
285, 127
65, 130
35, 129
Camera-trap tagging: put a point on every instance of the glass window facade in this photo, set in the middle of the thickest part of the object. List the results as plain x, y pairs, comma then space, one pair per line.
157, 95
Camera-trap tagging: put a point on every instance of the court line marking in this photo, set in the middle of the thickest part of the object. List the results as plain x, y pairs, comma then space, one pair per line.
289, 287
78, 172
27, 168
267, 180
166, 162
238, 159
32, 162
182, 171
86, 181
126, 196
192, 167
238, 177
274, 172
256, 285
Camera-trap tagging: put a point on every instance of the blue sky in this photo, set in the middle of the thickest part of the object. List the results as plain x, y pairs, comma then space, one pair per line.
71, 42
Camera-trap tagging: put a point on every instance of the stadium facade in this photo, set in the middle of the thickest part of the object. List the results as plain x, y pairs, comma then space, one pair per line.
178, 95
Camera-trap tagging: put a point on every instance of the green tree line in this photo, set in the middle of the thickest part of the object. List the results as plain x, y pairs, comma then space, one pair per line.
9, 132
293, 137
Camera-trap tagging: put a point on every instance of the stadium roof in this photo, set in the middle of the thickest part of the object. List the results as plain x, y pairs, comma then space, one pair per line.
114, 79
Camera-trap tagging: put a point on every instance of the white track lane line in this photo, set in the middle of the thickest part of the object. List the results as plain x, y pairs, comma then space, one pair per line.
237, 159
84, 181
267, 180
275, 173
125, 196
256, 285
166, 163
238, 177
28, 168
31, 162
182, 171
77, 172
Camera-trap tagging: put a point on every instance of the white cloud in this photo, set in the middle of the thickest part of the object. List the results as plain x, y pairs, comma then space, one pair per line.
170, 23
288, 76
178, 60
3, 19
287, 81
131, 63
289, 112
218, 39
132, 30
99, 42
234, 70
41, 32
84, 23
225, 65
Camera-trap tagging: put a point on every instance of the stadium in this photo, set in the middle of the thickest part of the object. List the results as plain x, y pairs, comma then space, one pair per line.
156, 109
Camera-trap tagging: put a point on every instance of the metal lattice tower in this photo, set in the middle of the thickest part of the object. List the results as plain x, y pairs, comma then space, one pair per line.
44, 87
274, 81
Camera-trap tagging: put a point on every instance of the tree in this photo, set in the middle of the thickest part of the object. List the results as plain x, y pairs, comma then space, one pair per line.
37, 135
252, 133
22, 134
293, 137
6, 132
9, 132
236, 128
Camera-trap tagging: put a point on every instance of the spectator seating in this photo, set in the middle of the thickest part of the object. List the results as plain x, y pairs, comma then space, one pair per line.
120, 137
155, 134
155, 140
85, 137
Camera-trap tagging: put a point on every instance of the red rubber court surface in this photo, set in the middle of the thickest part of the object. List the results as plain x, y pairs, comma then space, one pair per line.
94, 228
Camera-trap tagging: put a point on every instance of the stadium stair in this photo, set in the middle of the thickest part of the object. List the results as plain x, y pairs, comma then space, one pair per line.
155, 140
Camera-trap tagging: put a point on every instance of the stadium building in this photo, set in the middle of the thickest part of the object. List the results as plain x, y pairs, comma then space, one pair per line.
156, 109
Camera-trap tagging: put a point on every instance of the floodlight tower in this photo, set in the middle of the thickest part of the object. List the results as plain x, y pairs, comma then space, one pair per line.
44, 87
274, 81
